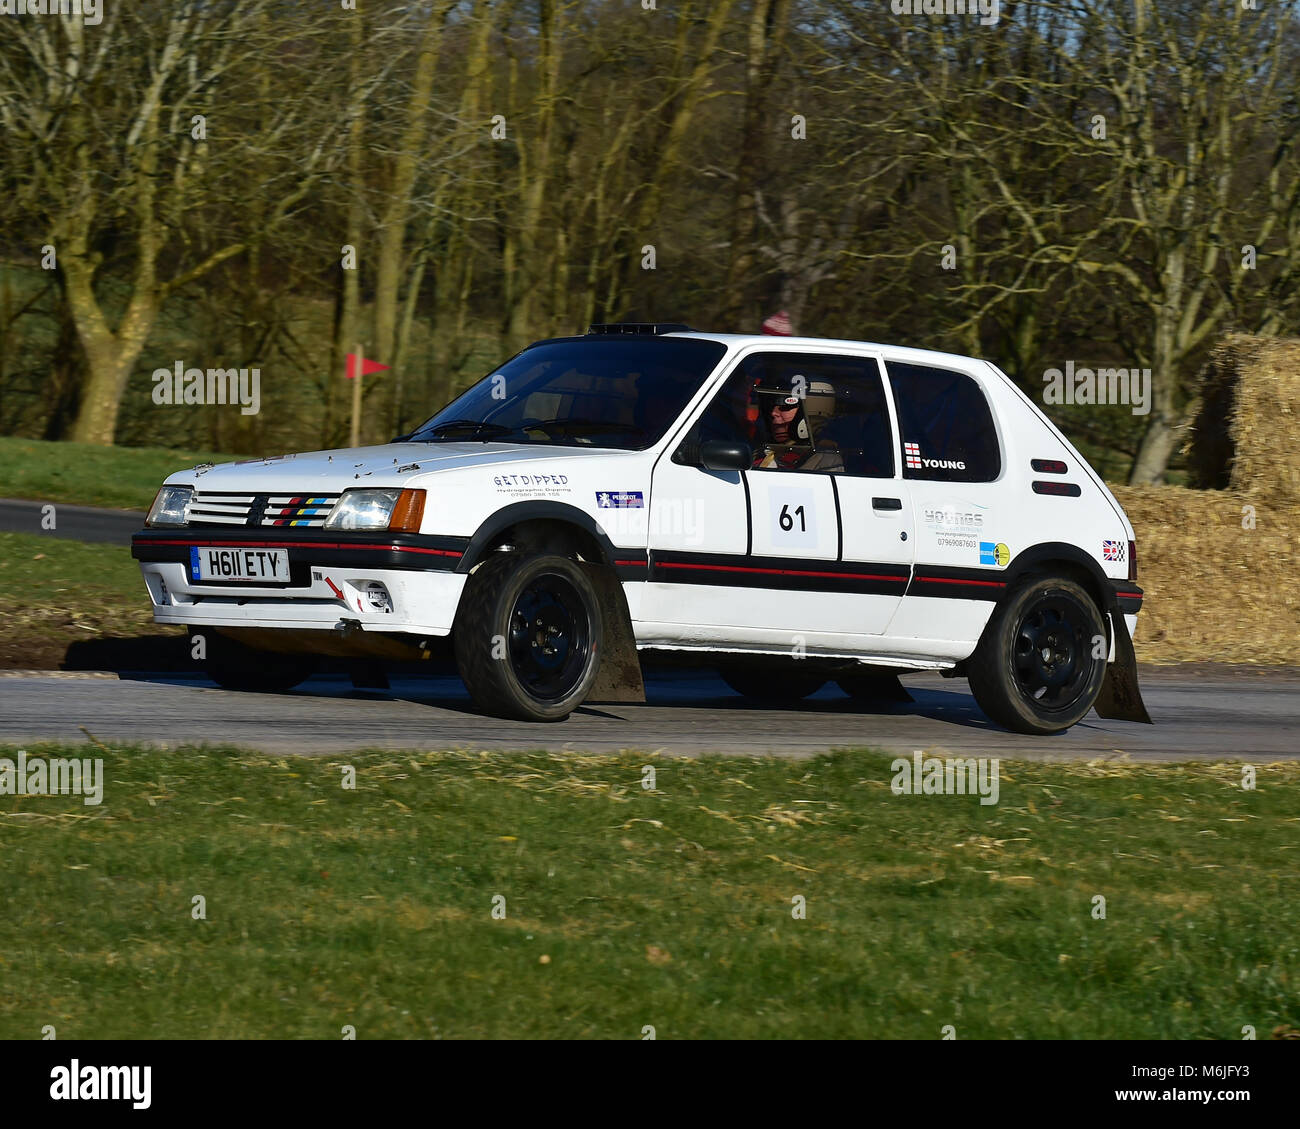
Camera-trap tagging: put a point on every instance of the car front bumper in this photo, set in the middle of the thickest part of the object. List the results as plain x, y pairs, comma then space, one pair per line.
396, 583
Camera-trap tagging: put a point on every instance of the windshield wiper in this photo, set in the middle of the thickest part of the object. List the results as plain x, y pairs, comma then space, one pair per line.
475, 427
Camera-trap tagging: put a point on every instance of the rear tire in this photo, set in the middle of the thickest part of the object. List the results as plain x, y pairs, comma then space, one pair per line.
771, 685
1034, 670
528, 636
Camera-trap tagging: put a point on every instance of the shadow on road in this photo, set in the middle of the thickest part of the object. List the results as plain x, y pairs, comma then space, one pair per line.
165, 658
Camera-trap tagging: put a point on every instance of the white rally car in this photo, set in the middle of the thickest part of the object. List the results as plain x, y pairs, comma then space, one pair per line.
798, 509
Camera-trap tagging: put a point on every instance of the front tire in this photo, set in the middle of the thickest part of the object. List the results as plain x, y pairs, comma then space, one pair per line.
1034, 670
527, 636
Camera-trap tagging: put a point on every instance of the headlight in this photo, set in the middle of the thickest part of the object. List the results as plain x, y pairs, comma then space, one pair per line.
169, 507
393, 509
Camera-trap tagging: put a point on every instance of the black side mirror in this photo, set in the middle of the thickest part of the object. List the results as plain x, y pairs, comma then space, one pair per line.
725, 454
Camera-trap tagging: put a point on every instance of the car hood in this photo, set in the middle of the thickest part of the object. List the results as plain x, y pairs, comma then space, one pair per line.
392, 464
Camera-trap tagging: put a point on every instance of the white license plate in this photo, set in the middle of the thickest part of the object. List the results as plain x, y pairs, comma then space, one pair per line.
268, 566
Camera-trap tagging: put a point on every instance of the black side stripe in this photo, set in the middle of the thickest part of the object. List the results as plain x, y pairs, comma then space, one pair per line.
781, 573
938, 582
632, 564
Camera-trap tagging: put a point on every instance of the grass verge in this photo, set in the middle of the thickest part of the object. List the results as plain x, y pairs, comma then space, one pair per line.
84, 475
55, 592
626, 908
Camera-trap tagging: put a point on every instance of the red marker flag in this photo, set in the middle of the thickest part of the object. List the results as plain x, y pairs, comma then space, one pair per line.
367, 367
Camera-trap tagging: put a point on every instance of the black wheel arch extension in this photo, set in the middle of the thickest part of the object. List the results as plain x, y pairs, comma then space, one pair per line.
558, 514
1047, 559
1048, 556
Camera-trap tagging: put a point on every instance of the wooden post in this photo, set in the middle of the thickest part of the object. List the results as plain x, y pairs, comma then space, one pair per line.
355, 440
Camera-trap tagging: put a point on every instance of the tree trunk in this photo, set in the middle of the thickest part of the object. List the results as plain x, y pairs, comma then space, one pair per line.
1157, 448
392, 228
347, 307
67, 377
110, 356
110, 363
534, 178
766, 34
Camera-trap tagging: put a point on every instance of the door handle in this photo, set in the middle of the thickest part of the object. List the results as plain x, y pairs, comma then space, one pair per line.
887, 503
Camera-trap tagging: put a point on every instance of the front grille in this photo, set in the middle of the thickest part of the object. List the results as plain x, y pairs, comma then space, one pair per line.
302, 510
220, 509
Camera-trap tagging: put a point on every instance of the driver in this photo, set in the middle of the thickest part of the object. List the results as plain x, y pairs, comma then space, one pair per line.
781, 409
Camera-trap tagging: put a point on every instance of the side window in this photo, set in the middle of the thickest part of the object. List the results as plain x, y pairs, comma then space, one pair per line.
729, 415
852, 426
727, 418
946, 426
803, 411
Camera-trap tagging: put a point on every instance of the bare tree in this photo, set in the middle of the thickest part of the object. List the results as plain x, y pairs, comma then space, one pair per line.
128, 131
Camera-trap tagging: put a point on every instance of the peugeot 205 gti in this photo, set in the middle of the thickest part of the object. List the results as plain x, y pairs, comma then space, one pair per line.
796, 509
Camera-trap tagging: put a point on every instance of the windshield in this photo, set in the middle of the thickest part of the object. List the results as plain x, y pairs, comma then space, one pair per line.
619, 392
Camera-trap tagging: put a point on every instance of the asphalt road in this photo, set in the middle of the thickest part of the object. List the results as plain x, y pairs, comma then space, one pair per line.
1200, 716
76, 523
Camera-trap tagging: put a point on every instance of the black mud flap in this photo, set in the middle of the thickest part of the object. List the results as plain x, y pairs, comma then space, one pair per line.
1120, 697
619, 677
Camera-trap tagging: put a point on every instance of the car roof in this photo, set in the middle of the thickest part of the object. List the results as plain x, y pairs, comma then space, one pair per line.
737, 341
903, 352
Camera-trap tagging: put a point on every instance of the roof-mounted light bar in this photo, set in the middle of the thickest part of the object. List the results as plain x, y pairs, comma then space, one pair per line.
649, 328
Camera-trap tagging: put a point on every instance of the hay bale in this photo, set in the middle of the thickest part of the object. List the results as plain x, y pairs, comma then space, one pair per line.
1244, 435
1216, 590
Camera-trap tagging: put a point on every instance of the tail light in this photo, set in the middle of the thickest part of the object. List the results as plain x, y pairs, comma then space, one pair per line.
1132, 562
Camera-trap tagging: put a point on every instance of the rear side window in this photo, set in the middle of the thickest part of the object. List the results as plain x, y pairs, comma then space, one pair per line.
945, 425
